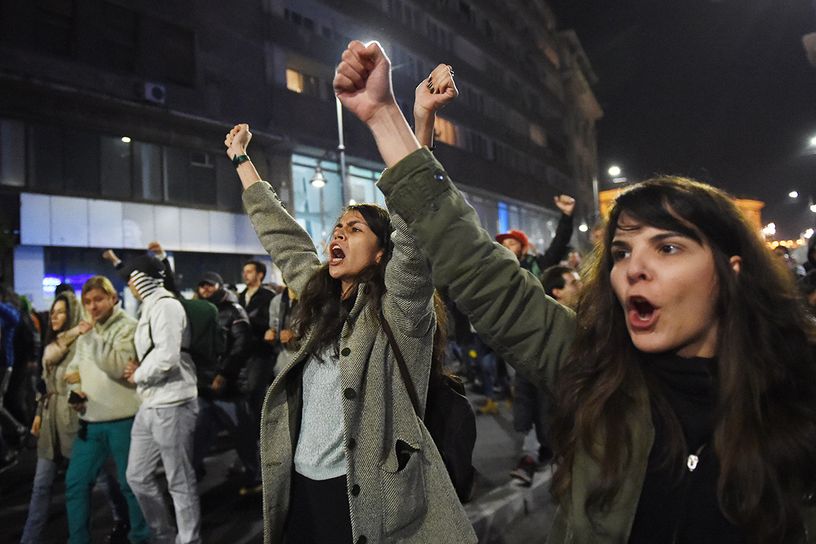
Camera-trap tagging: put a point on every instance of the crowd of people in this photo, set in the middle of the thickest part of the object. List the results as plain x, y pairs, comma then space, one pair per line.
669, 378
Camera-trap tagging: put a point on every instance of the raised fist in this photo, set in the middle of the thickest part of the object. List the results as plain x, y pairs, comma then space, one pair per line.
237, 140
565, 203
362, 80
435, 91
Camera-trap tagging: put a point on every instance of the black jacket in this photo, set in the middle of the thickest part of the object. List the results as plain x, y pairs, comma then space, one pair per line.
234, 320
258, 312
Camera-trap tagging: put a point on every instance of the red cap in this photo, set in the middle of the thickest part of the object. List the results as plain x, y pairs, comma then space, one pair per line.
517, 234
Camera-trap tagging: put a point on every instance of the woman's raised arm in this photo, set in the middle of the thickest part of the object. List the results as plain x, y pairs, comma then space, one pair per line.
282, 237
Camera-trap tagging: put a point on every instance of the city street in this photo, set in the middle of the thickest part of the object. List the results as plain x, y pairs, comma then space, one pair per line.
228, 518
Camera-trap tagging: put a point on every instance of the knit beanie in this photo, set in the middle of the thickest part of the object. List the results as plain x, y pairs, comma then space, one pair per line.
146, 273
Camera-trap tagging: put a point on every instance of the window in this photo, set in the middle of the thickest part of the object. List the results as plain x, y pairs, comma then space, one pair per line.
302, 83
12, 153
117, 32
169, 52
116, 159
147, 171
444, 131
187, 181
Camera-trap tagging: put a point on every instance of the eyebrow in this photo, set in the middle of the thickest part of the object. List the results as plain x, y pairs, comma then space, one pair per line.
351, 223
659, 237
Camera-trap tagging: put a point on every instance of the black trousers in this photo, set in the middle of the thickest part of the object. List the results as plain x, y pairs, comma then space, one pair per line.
318, 512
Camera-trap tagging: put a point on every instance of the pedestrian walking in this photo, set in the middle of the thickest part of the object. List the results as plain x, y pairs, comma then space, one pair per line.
106, 404
164, 375
55, 424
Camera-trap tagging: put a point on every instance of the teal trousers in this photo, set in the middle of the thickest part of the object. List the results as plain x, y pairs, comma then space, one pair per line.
103, 440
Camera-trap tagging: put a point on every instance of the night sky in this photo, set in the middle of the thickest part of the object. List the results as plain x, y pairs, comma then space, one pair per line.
717, 90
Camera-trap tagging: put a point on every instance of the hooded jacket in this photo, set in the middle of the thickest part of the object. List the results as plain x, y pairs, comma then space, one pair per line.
166, 374
60, 422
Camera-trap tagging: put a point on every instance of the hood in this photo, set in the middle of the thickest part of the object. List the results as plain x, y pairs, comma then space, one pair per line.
74, 310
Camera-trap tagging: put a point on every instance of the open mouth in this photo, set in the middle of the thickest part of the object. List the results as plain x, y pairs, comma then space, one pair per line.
642, 314
336, 255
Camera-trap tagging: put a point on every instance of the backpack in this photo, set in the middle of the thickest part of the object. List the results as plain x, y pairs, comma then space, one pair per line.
449, 418
208, 341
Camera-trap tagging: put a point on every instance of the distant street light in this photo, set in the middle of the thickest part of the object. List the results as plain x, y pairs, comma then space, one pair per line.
126, 139
813, 208
794, 194
583, 227
318, 180
614, 171
769, 230
813, 141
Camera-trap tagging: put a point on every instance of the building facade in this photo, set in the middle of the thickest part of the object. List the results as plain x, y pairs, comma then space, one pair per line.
113, 114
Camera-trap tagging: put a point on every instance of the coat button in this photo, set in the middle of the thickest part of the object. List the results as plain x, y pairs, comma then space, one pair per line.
345, 352
439, 175
362, 540
355, 490
349, 393
352, 443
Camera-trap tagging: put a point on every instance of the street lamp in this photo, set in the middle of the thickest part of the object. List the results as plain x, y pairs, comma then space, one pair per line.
614, 171
318, 182
813, 141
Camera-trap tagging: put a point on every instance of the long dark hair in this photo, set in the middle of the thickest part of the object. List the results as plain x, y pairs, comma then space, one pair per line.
765, 425
71, 315
320, 308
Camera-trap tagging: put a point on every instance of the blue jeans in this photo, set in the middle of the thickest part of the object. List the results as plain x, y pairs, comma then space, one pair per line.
40, 503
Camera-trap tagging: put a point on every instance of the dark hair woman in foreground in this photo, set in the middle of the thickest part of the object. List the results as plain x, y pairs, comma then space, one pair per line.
686, 395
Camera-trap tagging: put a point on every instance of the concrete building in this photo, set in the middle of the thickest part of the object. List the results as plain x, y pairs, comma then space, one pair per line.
113, 114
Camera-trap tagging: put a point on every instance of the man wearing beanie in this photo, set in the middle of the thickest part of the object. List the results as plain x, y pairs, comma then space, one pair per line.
223, 391
164, 425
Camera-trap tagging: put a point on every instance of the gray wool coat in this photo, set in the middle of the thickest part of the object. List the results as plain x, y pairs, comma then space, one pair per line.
415, 504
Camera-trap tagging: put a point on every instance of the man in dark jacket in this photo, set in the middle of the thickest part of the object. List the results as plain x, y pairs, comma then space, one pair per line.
531, 406
255, 300
223, 396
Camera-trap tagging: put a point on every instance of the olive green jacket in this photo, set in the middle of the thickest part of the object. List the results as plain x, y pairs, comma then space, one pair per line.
509, 309
391, 498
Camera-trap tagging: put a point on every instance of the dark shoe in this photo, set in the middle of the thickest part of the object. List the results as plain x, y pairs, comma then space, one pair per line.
119, 533
524, 471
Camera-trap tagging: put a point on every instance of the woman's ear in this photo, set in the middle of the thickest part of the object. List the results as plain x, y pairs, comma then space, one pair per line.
736, 263
378, 257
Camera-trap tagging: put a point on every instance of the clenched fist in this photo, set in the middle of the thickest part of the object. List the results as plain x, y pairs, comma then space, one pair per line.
237, 140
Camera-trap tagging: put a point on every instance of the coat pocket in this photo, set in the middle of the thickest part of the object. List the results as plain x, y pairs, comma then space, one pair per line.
402, 478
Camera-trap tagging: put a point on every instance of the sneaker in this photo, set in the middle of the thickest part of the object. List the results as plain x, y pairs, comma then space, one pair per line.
489, 407
119, 533
524, 471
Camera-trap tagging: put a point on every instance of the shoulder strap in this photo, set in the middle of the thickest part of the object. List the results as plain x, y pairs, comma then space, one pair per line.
150, 329
403, 368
